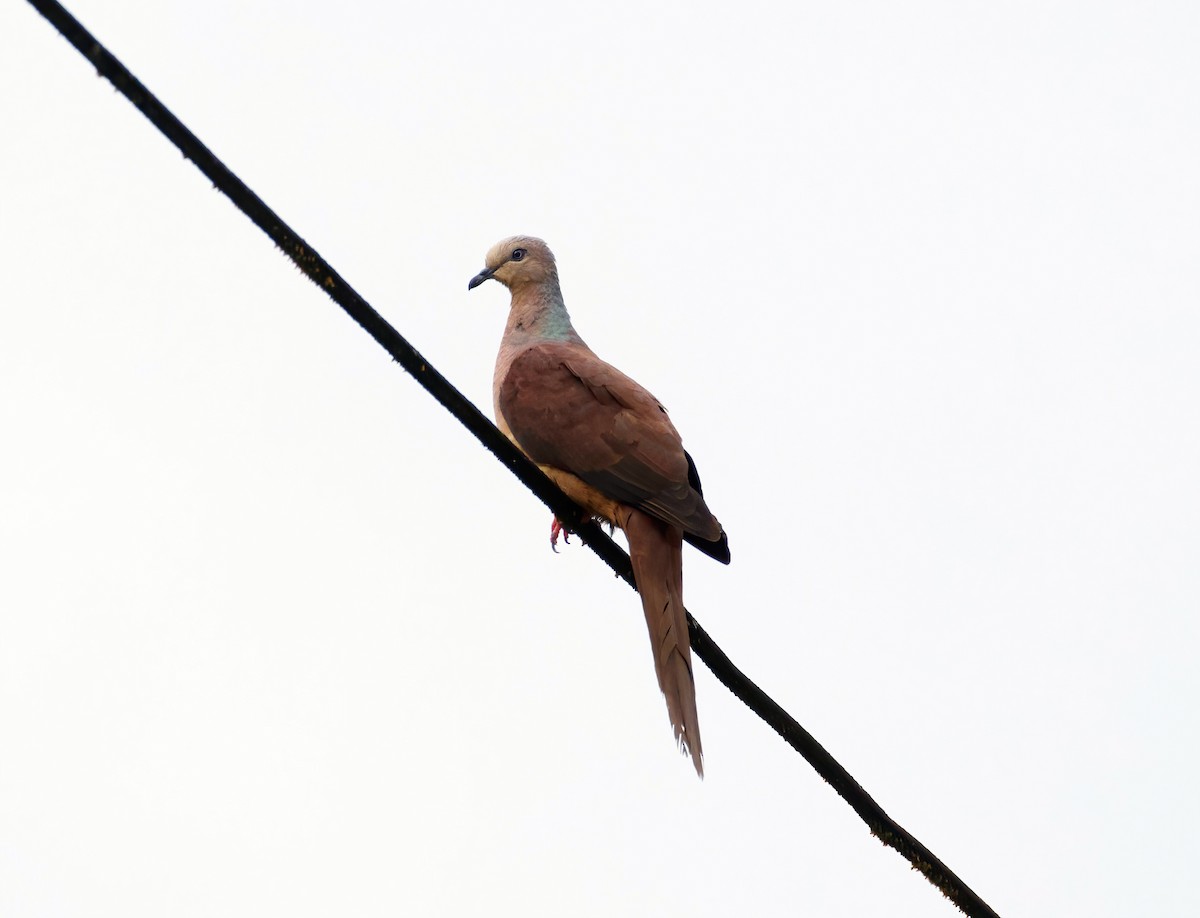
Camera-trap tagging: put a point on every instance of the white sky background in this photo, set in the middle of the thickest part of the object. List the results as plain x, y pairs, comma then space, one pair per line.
920, 285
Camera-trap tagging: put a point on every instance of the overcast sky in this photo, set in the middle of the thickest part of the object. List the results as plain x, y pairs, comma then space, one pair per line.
920, 284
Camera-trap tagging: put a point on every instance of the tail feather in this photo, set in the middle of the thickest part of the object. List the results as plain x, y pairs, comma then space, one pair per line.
656, 550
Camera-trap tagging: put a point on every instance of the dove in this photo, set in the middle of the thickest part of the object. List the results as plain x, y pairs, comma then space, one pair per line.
609, 444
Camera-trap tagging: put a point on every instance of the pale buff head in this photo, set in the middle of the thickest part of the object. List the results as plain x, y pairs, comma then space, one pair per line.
516, 262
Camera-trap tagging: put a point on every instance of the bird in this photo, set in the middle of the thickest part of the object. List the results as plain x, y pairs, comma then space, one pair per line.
611, 447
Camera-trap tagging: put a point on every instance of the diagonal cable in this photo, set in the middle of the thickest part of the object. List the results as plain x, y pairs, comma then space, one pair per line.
322, 274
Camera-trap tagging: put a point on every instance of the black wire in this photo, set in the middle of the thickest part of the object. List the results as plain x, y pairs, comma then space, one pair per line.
320, 272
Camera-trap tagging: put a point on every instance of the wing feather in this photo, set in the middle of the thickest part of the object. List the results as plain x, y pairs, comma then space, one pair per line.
569, 409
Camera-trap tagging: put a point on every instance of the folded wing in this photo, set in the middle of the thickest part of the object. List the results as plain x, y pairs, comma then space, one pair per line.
569, 409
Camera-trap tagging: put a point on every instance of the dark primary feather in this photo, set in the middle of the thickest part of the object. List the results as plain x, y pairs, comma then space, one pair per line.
718, 549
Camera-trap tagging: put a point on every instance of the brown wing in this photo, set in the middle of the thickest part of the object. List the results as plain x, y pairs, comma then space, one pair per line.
569, 409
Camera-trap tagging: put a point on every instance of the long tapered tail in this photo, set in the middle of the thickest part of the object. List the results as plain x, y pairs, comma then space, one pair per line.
656, 550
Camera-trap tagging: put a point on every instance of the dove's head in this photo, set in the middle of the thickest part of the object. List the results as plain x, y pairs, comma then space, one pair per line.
516, 262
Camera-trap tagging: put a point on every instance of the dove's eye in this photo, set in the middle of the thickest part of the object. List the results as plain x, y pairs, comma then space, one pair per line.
518, 254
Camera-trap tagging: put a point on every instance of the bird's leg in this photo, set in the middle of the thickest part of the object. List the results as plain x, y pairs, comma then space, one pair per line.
555, 528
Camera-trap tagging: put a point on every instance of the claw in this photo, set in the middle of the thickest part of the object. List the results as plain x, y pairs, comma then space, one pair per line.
555, 529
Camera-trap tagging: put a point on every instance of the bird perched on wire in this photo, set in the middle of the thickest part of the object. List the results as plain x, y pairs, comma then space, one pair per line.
609, 444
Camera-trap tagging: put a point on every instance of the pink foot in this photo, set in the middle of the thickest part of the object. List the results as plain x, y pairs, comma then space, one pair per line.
555, 529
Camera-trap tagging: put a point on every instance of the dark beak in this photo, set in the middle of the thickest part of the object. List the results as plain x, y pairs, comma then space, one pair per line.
479, 278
